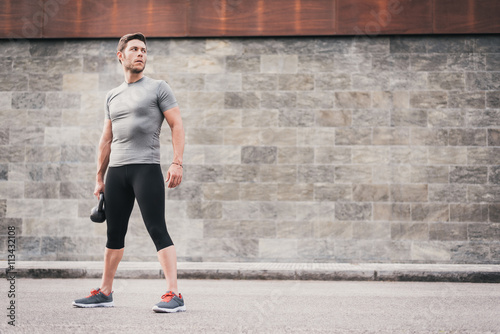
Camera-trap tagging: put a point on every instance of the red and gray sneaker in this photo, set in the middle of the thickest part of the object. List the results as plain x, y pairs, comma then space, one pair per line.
96, 299
170, 303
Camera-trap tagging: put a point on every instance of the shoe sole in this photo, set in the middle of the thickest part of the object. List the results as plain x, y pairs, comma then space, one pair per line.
110, 304
169, 310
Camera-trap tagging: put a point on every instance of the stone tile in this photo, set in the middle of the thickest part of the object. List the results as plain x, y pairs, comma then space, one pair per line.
430, 212
278, 210
278, 173
477, 252
429, 100
494, 213
429, 136
314, 211
371, 117
221, 118
296, 118
450, 44
483, 232
383, 99
483, 156
371, 155
371, 230
352, 62
295, 155
295, 82
241, 100
258, 155
49, 65
494, 175
204, 136
279, 63
429, 174
370, 193
293, 230
78, 154
203, 173
472, 100
223, 47
221, 191
278, 136
258, 192
409, 193
482, 118
28, 100
222, 154
240, 210
487, 44
452, 193
183, 47
354, 100
260, 82
243, 64
207, 100
257, 229
41, 189
41, 154
204, 210
447, 81
223, 82
240, 136
14, 223
60, 100
493, 99
315, 63
78, 82
353, 211
278, 100
466, 62
277, 248
26, 136
469, 174
493, 137
185, 82
353, 136
62, 136
477, 81
446, 118
468, 212
333, 118
185, 192
315, 137
221, 229
329, 45
241, 173
206, 64
44, 82
232, 248
314, 100
468, 137
353, 174
391, 174
391, 211
416, 155
408, 44
11, 189
371, 45
428, 62
314, 249
315, 174
391, 62
332, 192
493, 62
333, 230
411, 117
332, 81
483, 193
332, 155
370, 81
390, 136
295, 192
447, 155
408, 81
447, 231
430, 251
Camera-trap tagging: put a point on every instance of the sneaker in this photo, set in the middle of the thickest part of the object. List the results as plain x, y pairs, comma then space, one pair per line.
170, 303
96, 299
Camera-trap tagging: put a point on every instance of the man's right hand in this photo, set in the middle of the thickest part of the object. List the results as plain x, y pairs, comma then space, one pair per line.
99, 188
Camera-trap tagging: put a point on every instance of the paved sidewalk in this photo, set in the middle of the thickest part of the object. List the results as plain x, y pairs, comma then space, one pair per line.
257, 306
267, 271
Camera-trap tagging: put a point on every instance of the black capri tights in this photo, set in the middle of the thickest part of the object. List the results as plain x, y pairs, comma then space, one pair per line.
145, 183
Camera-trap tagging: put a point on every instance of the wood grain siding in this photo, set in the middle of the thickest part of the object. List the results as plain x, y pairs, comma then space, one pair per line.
471, 16
212, 18
114, 18
384, 17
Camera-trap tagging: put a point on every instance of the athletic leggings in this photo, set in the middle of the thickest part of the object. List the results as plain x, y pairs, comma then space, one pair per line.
145, 183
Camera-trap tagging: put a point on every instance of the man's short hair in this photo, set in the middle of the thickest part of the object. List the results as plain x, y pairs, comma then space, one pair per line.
127, 38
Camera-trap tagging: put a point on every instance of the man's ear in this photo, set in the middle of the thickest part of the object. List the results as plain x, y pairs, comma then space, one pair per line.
119, 54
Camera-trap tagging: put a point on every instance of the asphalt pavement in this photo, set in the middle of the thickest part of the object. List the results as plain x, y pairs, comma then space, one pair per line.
256, 306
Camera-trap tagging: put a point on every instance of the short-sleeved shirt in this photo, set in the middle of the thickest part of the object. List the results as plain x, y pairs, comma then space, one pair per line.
136, 114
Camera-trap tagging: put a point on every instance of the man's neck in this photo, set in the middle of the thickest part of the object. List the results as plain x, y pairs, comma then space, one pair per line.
133, 77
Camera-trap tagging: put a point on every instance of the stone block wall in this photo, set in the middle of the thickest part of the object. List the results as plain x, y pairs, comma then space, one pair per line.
328, 149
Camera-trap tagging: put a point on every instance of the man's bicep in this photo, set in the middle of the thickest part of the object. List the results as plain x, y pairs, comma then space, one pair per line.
107, 132
173, 116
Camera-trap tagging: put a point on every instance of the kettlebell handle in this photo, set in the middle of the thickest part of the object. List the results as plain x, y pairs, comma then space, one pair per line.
101, 201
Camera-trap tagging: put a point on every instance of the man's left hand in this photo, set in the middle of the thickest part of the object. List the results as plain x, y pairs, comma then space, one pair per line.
174, 176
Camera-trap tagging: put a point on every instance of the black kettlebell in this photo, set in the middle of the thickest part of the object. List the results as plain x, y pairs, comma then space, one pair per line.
97, 214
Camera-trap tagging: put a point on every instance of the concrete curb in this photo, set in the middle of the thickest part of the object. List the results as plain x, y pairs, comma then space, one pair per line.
266, 271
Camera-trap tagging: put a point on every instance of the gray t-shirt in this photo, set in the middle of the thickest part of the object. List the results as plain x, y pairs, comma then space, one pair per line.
136, 114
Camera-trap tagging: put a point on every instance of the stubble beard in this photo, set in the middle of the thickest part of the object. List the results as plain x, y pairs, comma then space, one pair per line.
134, 69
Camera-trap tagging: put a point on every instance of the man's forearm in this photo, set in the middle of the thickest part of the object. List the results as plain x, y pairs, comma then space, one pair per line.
103, 160
178, 143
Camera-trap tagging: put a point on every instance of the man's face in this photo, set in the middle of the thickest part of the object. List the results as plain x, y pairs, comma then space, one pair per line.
134, 56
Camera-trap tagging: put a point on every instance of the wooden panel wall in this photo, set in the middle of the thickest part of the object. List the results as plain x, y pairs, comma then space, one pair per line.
205, 18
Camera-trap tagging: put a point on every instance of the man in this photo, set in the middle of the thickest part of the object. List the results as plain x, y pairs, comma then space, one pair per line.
129, 150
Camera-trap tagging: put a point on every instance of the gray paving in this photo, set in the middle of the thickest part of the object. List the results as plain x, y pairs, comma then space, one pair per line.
249, 306
287, 271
